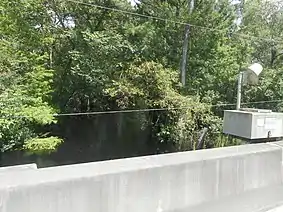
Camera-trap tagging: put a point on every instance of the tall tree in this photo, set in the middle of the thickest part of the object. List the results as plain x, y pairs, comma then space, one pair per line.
263, 19
26, 77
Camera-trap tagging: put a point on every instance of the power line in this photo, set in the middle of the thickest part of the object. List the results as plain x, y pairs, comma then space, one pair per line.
153, 109
141, 110
277, 40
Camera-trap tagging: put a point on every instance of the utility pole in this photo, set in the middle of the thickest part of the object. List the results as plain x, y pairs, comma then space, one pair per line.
191, 4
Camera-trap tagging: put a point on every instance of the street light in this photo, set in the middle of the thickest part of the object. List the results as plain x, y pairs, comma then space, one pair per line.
249, 76
252, 125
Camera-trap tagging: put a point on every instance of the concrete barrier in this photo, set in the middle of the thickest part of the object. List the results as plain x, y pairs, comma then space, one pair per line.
19, 168
278, 144
169, 182
277, 209
268, 199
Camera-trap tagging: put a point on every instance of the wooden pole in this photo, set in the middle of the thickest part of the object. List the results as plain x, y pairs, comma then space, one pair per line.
185, 45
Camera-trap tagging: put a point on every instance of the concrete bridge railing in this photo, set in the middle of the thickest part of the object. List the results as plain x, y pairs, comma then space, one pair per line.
241, 178
27, 167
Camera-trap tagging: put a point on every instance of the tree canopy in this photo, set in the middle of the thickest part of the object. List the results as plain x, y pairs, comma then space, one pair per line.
83, 56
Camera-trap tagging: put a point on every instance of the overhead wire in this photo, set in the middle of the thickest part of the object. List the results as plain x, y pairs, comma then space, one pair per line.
148, 109
155, 109
143, 110
245, 36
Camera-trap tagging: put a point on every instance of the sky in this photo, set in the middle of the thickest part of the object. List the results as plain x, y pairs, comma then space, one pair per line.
133, 2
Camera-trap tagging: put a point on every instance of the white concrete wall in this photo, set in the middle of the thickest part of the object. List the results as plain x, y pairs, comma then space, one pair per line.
168, 182
256, 200
277, 209
19, 168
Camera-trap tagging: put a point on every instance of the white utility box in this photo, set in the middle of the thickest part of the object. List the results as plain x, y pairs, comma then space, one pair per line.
253, 123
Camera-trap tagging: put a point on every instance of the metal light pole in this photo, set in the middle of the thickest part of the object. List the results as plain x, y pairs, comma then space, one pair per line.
250, 76
239, 90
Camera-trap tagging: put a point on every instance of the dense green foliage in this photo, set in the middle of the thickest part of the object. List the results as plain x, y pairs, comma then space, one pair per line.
26, 78
63, 56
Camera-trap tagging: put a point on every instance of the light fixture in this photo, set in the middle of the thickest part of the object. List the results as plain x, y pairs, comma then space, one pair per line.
248, 77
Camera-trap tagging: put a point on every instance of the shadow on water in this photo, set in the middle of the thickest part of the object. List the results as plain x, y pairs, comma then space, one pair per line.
109, 136
94, 138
